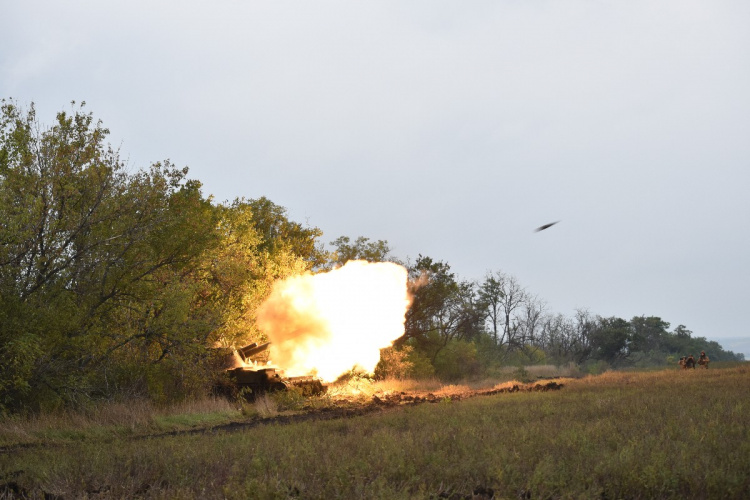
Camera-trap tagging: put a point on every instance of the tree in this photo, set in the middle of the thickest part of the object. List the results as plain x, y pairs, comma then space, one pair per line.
582, 340
610, 339
280, 234
648, 334
443, 310
258, 246
361, 249
682, 332
530, 320
555, 337
503, 295
87, 252
491, 294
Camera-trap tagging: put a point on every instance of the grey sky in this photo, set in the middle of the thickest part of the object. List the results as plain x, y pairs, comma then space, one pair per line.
451, 129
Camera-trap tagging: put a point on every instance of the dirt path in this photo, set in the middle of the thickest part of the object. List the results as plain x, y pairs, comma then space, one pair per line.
349, 409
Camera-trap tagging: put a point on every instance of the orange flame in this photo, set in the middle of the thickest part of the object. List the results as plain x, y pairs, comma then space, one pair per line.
329, 323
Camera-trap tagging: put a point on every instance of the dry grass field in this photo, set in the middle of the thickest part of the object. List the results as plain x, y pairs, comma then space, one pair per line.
659, 434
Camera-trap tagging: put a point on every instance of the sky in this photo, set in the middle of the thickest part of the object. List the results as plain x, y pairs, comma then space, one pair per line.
449, 129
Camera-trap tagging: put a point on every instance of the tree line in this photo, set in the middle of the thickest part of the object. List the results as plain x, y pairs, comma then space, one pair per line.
117, 282
456, 328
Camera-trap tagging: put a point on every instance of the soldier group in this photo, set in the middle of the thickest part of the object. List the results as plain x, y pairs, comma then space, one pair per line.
689, 361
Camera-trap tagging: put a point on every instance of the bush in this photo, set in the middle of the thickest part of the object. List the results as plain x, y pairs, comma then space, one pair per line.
522, 375
596, 367
290, 399
421, 367
457, 360
394, 363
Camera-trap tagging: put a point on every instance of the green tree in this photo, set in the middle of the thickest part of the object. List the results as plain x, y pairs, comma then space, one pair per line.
258, 246
87, 252
648, 334
610, 339
457, 360
443, 310
361, 249
682, 332
279, 234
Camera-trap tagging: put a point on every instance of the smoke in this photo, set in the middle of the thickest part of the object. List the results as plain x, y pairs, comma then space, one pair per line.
328, 323
422, 280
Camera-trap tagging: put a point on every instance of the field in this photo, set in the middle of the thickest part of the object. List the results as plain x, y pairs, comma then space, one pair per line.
658, 434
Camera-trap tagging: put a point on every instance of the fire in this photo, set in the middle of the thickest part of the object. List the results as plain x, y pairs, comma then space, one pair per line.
329, 323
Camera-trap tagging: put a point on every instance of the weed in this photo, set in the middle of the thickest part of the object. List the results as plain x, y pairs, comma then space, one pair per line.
522, 374
290, 399
263, 406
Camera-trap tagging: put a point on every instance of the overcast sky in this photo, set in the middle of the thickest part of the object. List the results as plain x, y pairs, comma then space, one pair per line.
450, 129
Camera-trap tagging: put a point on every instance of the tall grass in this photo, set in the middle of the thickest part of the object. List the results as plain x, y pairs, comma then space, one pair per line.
668, 434
140, 416
113, 419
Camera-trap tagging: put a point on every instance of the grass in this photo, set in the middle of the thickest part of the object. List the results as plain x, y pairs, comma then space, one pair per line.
141, 417
663, 434
114, 420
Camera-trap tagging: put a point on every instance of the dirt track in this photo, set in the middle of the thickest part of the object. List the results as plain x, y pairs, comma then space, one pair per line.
348, 409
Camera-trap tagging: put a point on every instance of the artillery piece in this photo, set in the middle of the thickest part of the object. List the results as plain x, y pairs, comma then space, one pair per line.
261, 378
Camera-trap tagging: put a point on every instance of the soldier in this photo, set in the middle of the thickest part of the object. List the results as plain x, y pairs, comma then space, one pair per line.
690, 363
703, 360
682, 362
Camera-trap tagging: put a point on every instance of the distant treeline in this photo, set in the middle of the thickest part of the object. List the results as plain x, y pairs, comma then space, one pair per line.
116, 283
457, 328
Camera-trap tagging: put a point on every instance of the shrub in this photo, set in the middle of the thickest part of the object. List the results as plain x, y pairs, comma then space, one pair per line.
457, 360
394, 363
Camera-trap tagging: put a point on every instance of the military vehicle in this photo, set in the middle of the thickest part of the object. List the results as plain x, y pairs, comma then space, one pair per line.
260, 377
